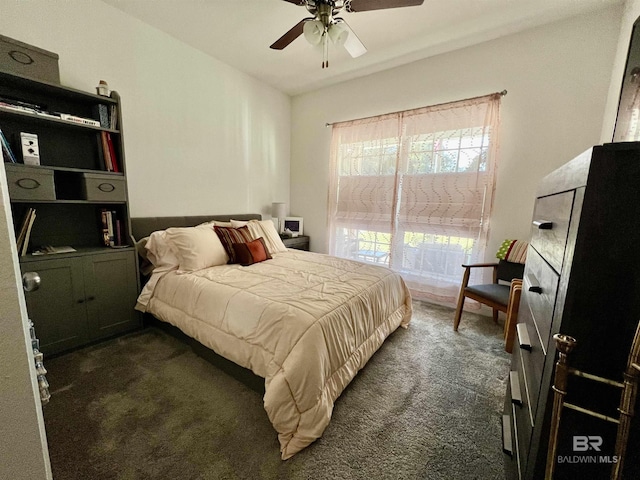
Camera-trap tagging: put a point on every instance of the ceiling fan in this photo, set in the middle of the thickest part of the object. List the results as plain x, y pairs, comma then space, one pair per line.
324, 24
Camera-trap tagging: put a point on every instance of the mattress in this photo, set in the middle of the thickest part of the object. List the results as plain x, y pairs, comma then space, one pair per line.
306, 322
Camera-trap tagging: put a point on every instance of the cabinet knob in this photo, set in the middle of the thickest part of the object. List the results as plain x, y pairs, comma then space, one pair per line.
106, 187
81, 300
91, 298
30, 281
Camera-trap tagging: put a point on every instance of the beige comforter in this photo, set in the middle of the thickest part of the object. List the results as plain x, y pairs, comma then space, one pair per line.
305, 322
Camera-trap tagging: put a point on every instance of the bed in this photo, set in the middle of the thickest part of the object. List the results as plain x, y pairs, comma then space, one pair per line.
305, 322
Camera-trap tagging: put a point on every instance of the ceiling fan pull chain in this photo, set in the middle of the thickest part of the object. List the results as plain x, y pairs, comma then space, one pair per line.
325, 45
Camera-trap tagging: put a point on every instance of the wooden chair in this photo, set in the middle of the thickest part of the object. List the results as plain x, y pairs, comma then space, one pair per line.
512, 314
496, 295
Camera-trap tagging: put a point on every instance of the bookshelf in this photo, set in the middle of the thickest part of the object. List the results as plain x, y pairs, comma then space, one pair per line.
87, 294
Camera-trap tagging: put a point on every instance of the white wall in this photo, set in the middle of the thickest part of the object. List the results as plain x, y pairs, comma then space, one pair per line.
200, 137
557, 77
629, 16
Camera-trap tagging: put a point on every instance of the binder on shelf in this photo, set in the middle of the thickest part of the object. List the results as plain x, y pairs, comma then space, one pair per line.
112, 154
7, 153
105, 226
110, 228
25, 245
102, 112
118, 240
113, 117
105, 152
23, 229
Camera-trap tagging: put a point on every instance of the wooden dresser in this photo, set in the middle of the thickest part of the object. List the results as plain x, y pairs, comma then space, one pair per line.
582, 278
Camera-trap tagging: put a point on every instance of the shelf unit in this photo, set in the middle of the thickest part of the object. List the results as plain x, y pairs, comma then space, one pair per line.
89, 294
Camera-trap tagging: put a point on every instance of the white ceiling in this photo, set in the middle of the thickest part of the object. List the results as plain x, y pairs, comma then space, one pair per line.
239, 32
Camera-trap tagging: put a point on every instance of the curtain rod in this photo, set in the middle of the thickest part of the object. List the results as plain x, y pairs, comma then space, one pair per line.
502, 93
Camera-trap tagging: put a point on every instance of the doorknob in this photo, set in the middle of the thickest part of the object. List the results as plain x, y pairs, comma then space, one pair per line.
30, 281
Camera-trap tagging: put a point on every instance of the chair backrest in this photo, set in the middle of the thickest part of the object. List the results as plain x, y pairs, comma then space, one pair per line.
507, 271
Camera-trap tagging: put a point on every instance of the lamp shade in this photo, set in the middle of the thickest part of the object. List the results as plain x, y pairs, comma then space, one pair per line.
313, 31
278, 210
338, 33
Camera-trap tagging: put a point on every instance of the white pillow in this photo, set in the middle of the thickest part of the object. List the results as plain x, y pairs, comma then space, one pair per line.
146, 266
212, 223
159, 251
196, 247
237, 223
267, 230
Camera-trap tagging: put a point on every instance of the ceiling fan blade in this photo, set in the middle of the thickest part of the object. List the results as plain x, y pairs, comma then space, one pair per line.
290, 36
352, 44
297, 2
367, 5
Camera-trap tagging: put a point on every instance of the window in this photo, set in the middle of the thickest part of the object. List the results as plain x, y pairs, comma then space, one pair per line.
413, 191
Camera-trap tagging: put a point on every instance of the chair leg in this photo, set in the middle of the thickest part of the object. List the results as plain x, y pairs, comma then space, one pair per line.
465, 282
495, 315
512, 315
458, 317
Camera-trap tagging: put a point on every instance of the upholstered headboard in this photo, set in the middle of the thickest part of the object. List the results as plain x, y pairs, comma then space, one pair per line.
141, 227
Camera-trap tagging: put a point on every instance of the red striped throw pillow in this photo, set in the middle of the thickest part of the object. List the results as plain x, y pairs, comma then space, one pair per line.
251, 252
228, 236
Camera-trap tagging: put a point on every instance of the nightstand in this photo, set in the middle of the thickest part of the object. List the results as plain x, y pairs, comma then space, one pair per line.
299, 243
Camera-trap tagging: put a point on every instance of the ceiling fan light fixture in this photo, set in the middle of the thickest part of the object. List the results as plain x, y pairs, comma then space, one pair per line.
313, 31
338, 33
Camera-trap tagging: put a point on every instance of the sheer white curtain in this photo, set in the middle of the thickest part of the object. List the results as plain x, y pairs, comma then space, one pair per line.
413, 190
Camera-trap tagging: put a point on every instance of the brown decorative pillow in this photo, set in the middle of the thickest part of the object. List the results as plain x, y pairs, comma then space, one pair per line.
228, 236
251, 252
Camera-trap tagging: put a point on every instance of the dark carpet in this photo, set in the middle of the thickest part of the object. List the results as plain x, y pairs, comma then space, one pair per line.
144, 406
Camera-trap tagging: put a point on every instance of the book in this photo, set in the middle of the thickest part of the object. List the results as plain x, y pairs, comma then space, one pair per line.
81, 120
21, 103
49, 115
17, 108
110, 228
112, 154
25, 245
113, 117
102, 112
105, 226
7, 153
23, 230
105, 152
118, 231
